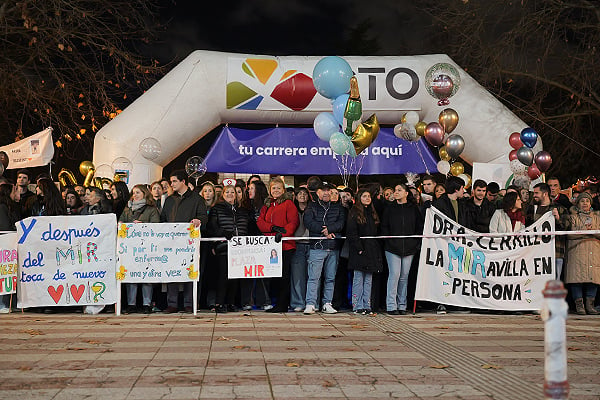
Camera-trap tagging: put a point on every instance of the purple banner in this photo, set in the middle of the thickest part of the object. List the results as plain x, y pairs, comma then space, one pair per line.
299, 151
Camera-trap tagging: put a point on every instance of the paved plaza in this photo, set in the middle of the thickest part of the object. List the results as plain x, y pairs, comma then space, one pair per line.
255, 355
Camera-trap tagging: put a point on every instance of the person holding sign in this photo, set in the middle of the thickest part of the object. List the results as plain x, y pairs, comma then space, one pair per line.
140, 208
227, 219
402, 217
583, 267
183, 205
364, 255
279, 217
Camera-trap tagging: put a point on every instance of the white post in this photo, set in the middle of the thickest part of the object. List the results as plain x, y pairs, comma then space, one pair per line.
554, 315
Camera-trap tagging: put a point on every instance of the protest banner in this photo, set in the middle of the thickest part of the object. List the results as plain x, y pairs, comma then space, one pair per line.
167, 252
254, 257
484, 271
66, 261
8, 263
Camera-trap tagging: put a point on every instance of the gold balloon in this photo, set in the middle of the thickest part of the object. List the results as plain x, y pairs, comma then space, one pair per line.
420, 127
468, 185
444, 154
98, 183
89, 178
106, 183
457, 168
85, 166
448, 119
365, 134
66, 178
403, 119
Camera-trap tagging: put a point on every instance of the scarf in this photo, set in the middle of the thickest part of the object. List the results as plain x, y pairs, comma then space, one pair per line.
135, 205
516, 216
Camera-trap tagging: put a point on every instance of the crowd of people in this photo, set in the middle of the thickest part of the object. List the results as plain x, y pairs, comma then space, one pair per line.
326, 272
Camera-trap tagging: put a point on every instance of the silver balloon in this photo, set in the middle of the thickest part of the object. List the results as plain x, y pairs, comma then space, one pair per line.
407, 132
455, 144
525, 155
150, 148
517, 167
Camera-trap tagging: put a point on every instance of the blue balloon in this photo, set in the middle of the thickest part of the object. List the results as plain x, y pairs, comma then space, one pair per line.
529, 137
325, 125
339, 106
340, 143
331, 76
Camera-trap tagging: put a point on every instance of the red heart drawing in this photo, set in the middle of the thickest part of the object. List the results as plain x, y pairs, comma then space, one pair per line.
77, 292
56, 294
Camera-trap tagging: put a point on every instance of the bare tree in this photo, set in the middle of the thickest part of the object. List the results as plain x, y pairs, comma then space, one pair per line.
71, 64
540, 58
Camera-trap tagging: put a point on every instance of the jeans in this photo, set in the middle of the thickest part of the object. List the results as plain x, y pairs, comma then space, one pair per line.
4, 301
173, 294
559, 266
577, 290
321, 262
132, 293
397, 283
298, 275
361, 290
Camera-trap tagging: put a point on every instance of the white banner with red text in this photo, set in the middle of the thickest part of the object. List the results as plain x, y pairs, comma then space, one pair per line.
254, 257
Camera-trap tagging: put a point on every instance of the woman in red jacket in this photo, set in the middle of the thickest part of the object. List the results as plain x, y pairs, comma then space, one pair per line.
279, 217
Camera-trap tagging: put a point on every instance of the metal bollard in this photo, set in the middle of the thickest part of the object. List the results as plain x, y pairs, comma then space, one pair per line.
554, 314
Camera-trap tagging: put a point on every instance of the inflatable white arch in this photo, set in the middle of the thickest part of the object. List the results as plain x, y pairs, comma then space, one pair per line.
211, 88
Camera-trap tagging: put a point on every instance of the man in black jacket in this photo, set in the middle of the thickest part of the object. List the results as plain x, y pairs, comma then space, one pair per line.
478, 209
183, 205
324, 219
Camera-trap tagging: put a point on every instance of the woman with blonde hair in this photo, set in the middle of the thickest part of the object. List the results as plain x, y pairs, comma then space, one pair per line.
279, 217
209, 194
141, 208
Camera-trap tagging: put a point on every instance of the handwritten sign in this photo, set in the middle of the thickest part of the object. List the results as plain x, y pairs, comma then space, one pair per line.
254, 257
8, 263
66, 261
501, 273
167, 252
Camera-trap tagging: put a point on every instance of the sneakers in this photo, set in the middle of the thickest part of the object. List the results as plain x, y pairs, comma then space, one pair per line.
328, 309
310, 309
170, 310
441, 309
298, 309
5, 310
247, 307
267, 307
393, 312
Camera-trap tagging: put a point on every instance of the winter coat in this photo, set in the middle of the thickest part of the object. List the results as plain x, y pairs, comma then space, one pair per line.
319, 214
285, 215
500, 223
184, 208
399, 220
8, 217
225, 219
477, 218
444, 205
364, 254
583, 258
147, 214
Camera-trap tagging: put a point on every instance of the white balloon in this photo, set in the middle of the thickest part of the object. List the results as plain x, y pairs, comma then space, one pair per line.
464, 178
121, 164
411, 117
104, 171
443, 167
150, 148
518, 168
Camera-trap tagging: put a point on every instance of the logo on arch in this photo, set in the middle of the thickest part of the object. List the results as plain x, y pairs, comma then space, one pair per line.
265, 79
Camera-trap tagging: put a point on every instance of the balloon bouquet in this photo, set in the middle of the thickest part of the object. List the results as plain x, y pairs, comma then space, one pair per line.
442, 81
343, 128
524, 165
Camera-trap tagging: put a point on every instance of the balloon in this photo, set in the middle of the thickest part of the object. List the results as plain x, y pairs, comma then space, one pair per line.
411, 117
455, 144
444, 154
4, 159
457, 168
325, 125
443, 167
85, 166
515, 140
448, 119
512, 155
434, 134
407, 132
522, 181
442, 81
331, 76
340, 143
543, 160
365, 134
467, 179
121, 164
104, 171
195, 167
525, 155
420, 127
529, 137
150, 148
89, 178
66, 178
517, 167
533, 172
339, 106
